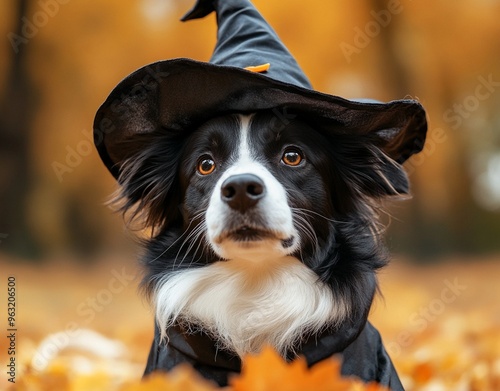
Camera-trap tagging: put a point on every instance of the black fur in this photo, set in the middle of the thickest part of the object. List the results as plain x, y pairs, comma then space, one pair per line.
336, 192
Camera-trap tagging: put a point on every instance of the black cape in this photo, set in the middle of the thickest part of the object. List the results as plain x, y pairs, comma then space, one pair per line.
364, 356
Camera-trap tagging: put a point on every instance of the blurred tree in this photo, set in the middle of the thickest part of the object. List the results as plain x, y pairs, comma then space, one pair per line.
17, 107
398, 83
52, 87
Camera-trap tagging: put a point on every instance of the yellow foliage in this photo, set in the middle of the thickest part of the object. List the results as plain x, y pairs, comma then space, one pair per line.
459, 347
183, 378
269, 372
264, 372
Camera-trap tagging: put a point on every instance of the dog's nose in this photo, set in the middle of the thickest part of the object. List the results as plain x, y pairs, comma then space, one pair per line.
242, 191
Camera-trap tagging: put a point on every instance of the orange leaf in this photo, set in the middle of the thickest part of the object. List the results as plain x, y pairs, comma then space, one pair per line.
56, 378
422, 373
182, 378
269, 372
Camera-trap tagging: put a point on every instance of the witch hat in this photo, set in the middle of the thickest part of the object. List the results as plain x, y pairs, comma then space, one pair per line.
180, 94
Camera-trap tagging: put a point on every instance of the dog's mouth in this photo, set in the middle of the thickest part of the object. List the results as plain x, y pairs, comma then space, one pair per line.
248, 234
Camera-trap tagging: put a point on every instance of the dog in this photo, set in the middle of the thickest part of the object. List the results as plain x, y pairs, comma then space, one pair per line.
268, 233
262, 199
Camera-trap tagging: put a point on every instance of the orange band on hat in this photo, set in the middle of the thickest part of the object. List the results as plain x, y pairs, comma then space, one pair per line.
259, 68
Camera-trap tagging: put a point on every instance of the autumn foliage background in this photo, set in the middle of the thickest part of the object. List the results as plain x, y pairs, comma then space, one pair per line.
60, 58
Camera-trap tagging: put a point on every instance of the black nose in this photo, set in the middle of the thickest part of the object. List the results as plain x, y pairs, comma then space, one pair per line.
243, 191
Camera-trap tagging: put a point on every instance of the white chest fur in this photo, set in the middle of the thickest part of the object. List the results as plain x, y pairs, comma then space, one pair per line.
246, 305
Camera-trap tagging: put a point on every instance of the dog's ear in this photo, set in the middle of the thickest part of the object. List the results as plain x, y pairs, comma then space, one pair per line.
370, 154
384, 176
365, 168
386, 149
149, 191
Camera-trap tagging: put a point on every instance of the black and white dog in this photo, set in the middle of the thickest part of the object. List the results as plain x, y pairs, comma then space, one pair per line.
267, 230
261, 195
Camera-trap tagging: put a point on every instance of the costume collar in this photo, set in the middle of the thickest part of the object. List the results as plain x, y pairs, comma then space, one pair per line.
202, 348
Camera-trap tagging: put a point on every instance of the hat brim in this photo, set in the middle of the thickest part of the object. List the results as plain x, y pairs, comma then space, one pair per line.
178, 95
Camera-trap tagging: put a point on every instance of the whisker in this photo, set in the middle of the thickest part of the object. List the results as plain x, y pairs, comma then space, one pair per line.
200, 244
309, 212
193, 234
198, 215
307, 229
194, 239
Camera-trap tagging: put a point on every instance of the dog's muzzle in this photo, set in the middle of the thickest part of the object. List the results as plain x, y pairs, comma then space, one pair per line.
248, 216
242, 192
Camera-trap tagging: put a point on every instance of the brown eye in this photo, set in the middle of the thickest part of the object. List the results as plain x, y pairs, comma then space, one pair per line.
206, 165
292, 157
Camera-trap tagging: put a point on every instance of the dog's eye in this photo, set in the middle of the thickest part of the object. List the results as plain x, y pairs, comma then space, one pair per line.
206, 165
292, 157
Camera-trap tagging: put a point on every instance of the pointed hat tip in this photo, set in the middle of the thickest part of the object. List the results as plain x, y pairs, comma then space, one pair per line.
245, 38
201, 9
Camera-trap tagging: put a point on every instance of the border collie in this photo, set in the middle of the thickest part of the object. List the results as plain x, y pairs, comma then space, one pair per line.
265, 228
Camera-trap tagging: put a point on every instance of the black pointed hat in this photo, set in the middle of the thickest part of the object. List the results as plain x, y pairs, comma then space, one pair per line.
180, 94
